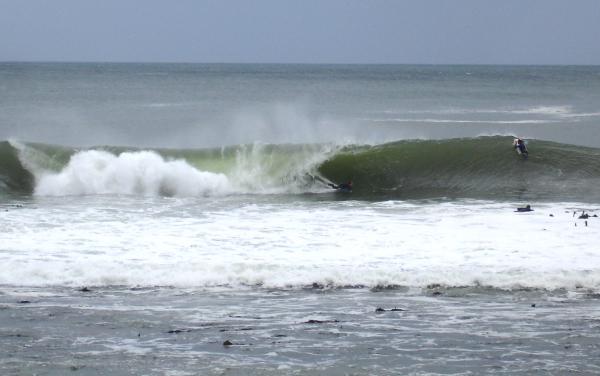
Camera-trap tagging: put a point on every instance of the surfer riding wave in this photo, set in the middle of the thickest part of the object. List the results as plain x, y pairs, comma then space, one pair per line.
345, 187
520, 147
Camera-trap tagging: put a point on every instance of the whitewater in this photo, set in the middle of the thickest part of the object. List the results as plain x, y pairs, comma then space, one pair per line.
189, 242
180, 219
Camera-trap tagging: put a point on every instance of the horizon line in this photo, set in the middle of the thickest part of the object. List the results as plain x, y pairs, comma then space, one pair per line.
284, 63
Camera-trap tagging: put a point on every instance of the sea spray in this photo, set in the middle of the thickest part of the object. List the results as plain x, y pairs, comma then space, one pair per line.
261, 168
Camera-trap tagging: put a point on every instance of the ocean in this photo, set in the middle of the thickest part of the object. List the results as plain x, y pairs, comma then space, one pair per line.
181, 219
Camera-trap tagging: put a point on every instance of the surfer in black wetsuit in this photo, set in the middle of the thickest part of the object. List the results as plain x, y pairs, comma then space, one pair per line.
520, 145
347, 187
525, 209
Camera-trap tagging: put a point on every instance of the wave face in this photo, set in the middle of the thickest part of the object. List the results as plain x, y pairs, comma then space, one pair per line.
14, 177
484, 167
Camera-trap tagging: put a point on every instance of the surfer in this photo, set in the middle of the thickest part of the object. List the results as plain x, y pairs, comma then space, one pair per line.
520, 147
345, 187
525, 209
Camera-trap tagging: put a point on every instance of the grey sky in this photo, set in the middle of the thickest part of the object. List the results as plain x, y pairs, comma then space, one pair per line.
302, 31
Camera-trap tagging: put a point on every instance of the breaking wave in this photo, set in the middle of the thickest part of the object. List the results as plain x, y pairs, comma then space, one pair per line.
483, 167
138, 173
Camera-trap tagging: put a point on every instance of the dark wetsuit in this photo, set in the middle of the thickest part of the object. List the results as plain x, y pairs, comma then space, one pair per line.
346, 187
525, 209
521, 146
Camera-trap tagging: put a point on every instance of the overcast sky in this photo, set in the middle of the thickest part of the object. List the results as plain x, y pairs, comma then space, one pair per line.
302, 31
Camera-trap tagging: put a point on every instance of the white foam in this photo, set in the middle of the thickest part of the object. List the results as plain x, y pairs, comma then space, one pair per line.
208, 243
132, 173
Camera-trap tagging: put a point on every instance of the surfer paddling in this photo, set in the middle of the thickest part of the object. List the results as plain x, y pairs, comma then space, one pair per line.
525, 209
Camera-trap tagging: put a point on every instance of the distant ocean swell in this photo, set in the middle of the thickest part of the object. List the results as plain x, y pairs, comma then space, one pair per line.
484, 167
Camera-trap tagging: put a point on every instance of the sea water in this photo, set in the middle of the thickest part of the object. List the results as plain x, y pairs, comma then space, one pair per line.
177, 219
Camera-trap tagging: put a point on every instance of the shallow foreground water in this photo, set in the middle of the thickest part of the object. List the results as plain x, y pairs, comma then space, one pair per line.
313, 285
171, 331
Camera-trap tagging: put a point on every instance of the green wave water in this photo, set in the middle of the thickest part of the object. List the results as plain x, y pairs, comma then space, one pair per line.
483, 167
13, 175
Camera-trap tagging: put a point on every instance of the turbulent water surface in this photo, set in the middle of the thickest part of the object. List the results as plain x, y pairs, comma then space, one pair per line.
180, 219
